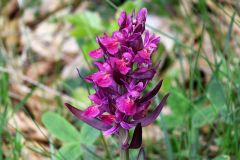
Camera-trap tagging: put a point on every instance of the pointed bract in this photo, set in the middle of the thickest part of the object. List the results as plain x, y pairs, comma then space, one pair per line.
150, 118
90, 121
151, 94
126, 105
98, 53
137, 137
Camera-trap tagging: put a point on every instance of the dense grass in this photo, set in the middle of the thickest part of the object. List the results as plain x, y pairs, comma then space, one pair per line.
201, 72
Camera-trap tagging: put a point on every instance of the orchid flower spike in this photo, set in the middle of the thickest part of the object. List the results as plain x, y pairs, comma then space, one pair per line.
119, 102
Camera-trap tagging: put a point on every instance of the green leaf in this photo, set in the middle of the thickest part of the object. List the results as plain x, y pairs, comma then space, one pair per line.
59, 127
90, 153
129, 6
215, 94
178, 101
179, 105
81, 94
222, 157
174, 120
69, 151
86, 24
88, 135
204, 116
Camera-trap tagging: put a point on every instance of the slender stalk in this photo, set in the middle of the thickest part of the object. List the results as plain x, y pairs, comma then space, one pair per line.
106, 147
124, 153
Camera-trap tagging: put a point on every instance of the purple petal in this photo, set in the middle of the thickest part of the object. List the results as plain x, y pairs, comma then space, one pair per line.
122, 19
137, 137
134, 94
100, 44
99, 65
134, 87
127, 56
92, 111
119, 116
101, 78
142, 108
127, 49
152, 44
103, 66
139, 87
142, 14
150, 118
135, 42
107, 119
139, 115
126, 105
139, 28
151, 94
154, 39
112, 130
111, 44
95, 98
90, 121
146, 38
118, 35
98, 53
121, 66
144, 74
145, 54
126, 125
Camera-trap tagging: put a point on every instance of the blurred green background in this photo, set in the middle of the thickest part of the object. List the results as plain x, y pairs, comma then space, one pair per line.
43, 42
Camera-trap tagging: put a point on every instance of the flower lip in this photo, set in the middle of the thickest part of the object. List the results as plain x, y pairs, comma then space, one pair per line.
101, 78
98, 53
111, 44
126, 105
121, 65
127, 57
92, 111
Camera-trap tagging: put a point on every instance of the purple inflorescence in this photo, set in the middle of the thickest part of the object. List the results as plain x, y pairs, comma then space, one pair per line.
124, 70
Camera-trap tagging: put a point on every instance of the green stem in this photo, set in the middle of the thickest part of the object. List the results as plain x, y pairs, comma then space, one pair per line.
106, 147
124, 153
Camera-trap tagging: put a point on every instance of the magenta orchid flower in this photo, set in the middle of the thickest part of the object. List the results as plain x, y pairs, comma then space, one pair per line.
119, 102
